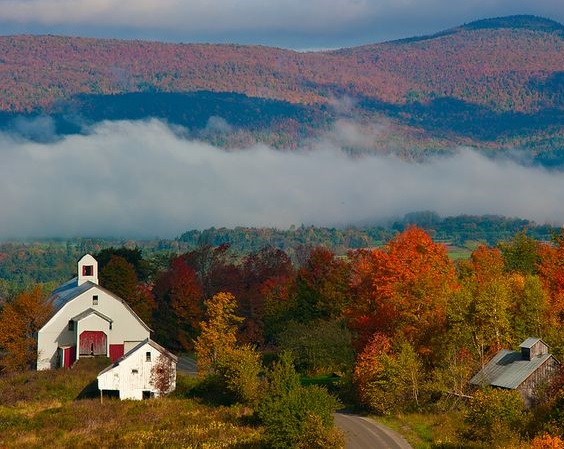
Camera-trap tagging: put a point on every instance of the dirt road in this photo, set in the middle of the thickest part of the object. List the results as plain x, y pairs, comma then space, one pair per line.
364, 433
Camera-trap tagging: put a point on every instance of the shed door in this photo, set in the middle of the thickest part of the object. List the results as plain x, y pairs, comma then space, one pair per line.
69, 356
92, 343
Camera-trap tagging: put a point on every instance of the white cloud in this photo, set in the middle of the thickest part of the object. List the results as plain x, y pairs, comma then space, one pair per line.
138, 179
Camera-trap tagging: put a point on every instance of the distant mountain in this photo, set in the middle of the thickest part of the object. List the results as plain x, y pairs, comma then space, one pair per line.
494, 83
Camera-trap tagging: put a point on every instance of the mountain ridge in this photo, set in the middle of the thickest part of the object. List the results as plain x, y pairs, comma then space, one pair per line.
491, 82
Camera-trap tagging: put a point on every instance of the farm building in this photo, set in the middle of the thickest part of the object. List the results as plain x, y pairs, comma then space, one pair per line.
145, 371
524, 370
88, 321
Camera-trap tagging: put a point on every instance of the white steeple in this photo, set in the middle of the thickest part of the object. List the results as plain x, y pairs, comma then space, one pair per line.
87, 270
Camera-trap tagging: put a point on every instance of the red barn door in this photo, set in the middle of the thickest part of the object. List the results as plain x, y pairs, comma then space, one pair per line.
92, 343
69, 356
116, 351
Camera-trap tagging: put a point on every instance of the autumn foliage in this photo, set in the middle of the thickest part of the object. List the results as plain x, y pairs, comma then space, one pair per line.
402, 290
20, 320
547, 441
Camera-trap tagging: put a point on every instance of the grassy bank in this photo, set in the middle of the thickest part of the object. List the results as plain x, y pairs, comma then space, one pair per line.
61, 409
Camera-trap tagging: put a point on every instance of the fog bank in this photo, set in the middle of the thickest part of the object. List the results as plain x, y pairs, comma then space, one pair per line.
139, 179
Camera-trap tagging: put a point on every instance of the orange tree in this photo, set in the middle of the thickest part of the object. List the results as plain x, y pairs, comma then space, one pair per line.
20, 320
401, 290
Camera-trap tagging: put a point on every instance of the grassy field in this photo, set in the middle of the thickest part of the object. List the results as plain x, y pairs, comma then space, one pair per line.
61, 409
425, 431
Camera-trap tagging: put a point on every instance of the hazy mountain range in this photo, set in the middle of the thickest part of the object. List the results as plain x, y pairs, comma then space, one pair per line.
494, 83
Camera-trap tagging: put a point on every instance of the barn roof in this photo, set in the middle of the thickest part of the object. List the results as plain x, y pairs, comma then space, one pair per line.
151, 343
530, 342
68, 291
65, 293
508, 369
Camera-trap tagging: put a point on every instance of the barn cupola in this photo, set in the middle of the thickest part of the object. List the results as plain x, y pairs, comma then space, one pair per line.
533, 347
87, 270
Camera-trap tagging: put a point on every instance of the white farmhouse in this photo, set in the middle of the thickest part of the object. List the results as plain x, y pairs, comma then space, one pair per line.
134, 375
88, 321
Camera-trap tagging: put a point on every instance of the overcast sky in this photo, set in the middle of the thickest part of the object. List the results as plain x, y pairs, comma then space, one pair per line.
299, 24
139, 179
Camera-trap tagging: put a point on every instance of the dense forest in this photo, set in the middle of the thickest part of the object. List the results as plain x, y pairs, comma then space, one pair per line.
23, 264
494, 84
397, 329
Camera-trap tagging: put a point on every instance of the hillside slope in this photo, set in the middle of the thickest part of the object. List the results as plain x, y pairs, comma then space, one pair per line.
495, 80
505, 67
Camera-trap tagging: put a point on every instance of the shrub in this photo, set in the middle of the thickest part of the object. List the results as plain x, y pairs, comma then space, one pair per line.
163, 375
239, 371
494, 417
303, 414
296, 416
317, 436
547, 441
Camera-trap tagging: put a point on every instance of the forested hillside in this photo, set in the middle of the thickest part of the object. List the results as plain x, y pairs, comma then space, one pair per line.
495, 83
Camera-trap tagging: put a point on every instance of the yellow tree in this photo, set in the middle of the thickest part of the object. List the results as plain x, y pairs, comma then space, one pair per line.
480, 312
20, 320
219, 331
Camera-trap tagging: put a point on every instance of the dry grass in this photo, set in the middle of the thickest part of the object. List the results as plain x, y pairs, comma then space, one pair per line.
42, 410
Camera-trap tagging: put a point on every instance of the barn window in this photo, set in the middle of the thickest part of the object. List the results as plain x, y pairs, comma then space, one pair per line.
95, 300
147, 356
110, 326
71, 325
88, 270
134, 371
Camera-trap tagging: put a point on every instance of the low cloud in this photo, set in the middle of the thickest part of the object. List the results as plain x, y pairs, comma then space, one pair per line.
139, 179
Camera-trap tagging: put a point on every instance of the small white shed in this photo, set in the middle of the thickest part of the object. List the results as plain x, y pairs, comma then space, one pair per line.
145, 371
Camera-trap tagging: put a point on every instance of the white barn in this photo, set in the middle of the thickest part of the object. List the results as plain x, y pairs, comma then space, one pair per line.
131, 375
88, 321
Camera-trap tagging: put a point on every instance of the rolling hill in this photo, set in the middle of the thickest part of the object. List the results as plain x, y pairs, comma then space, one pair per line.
494, 83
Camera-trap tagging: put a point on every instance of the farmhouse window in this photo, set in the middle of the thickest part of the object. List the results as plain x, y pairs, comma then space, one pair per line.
95, 300
147, 356
88, 270
71, 325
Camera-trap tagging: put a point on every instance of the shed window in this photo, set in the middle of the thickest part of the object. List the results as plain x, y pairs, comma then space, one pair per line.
95, 300
147, 356
88, 270
71, 325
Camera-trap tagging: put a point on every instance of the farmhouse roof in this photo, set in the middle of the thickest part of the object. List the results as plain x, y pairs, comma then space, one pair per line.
151, 343
508, 369
530, 342
70, 290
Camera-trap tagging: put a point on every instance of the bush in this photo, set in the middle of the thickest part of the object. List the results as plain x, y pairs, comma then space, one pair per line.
238, 370
494, 417
296, 416
317, 436
303, 414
